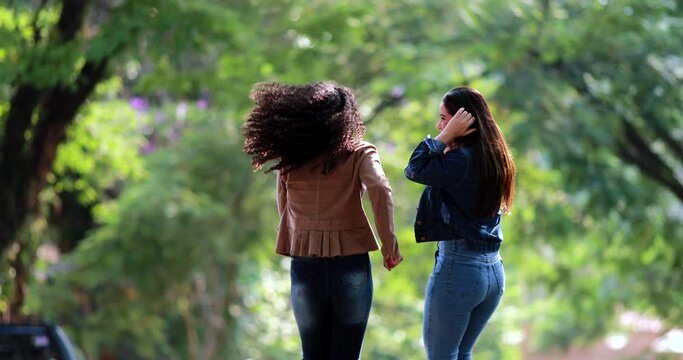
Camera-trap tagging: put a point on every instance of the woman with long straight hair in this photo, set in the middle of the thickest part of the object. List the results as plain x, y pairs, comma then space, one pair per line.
314, 135
470, 178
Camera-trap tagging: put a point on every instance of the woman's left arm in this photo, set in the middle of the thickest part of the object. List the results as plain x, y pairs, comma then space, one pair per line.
281, 193
379, 191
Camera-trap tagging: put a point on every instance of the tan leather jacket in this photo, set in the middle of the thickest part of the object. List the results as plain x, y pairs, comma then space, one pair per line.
322, 215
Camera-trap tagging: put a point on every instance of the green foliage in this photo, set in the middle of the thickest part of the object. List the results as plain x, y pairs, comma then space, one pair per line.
189, 215
593, 69
102, 151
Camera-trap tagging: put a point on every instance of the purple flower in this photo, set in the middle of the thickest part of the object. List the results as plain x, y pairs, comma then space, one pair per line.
148, 148
139, 103
202, 104
398, 91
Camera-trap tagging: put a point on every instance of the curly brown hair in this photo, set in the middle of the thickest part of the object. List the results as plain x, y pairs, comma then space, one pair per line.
294, 124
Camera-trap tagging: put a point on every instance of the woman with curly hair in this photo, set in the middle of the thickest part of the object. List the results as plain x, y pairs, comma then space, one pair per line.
314, 135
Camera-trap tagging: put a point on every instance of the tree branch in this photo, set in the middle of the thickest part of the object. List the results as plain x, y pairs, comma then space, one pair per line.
636, 150
676, 146
394, 98
18, 120
34, 22
13, 170
71, 19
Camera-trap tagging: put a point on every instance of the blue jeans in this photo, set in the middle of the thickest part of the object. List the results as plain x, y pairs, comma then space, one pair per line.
462, 293
331, 299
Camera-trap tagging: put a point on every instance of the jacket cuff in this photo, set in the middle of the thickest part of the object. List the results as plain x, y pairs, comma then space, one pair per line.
435, 146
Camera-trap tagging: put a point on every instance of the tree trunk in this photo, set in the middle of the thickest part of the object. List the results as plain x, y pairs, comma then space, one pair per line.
21, 265
34, 128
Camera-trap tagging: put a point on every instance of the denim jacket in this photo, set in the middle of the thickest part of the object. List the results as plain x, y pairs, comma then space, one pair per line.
448, 206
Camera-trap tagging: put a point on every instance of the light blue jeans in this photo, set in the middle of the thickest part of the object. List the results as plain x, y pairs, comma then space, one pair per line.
462, 293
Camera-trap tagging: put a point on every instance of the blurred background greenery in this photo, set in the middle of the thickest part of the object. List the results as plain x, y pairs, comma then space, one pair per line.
129, 214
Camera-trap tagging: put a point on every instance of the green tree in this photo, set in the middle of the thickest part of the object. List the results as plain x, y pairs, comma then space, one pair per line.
168, 252
598, 85
53, 56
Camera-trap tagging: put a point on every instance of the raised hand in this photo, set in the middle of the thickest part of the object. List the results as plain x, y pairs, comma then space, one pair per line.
458, 126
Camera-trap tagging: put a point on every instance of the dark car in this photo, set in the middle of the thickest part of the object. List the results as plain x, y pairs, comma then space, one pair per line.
39, 342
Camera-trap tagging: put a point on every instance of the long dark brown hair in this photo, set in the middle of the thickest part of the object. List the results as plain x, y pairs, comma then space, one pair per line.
493, 157
294, 124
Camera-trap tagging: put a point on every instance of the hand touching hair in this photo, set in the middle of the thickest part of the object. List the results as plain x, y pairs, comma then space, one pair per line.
495, 163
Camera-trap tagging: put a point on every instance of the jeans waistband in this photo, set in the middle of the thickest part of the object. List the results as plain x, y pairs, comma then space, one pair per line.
318, 259
460, 250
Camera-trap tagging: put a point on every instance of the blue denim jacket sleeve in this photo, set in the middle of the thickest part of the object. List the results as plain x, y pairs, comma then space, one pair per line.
428, 165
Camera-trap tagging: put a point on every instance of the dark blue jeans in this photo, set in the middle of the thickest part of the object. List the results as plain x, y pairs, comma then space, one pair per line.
331, 298
462, 293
